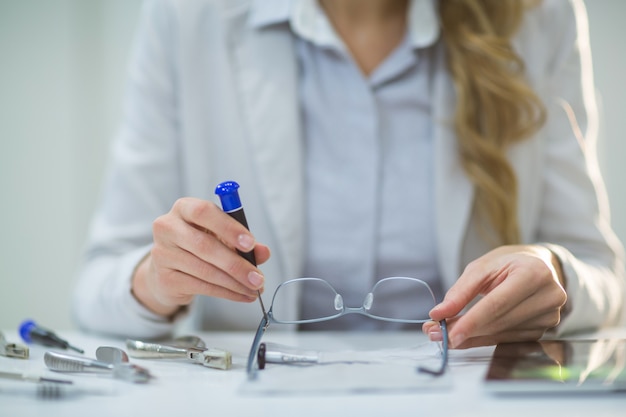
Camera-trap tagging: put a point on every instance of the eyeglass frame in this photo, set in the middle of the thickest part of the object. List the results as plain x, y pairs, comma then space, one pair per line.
268, 318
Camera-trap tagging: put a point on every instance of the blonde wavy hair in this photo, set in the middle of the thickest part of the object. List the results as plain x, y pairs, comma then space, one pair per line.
495, 105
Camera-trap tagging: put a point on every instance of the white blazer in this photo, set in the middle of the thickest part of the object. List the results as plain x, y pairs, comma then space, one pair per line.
211, 98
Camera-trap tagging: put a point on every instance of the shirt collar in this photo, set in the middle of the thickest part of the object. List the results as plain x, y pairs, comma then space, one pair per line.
269, 12
308, 20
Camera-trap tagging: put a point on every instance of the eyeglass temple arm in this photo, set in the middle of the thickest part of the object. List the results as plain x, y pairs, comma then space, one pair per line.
252, 356
444, 359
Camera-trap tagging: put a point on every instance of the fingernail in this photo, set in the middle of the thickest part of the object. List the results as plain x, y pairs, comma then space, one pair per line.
435, 336
246, 242
456, 340
256, 279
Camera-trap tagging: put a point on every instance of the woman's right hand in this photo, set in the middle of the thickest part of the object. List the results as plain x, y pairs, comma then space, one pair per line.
194, 253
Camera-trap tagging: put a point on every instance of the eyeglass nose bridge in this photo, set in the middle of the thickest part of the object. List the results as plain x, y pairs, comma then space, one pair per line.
350, 310
340, 306
367, 304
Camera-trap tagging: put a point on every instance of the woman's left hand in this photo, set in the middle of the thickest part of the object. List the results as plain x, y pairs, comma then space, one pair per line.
522, 293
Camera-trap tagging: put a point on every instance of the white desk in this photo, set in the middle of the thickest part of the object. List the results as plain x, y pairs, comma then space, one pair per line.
185, 389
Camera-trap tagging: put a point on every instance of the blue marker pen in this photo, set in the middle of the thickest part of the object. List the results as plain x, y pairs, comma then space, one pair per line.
231, 204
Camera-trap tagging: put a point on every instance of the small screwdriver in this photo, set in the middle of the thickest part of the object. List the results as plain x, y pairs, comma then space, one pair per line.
33, 333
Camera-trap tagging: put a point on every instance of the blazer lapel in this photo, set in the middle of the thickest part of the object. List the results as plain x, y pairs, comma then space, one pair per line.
453, 191
265, 68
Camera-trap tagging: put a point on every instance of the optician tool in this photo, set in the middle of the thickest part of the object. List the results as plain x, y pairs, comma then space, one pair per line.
289, 355
31, 332
41, 391
231, 204
32, 378
12, 350
109, 360
196, 353
49, 391
53, 391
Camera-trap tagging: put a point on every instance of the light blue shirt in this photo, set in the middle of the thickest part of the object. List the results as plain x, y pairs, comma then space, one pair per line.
369, 151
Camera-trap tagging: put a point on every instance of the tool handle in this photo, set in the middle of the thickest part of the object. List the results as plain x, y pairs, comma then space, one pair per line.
67, 363
139, 349
276, 353
212, 358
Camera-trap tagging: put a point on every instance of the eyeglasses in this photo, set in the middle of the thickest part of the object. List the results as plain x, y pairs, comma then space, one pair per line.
332, 306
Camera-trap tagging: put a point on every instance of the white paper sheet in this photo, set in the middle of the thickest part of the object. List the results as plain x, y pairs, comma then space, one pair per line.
368, 372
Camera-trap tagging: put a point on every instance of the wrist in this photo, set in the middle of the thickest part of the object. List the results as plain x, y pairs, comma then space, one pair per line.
555, 261
142, 292
557, 264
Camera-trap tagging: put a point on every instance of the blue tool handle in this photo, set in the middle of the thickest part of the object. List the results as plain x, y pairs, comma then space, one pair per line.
231, 204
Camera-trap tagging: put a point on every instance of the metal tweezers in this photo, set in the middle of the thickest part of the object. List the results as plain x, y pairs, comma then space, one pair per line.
12, 350
189, 347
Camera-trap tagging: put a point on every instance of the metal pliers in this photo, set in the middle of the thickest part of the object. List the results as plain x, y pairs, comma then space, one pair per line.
191, 348
12, 350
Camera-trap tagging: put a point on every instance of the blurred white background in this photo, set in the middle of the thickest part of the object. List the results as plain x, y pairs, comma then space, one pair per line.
62, 74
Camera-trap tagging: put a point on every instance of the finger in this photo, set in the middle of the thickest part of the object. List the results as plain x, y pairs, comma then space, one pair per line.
506, 337
526, 330
209, 216
186, 286
489, 314
474, 279
433, 331
189, 264
430, 326
262, 253
207, 247
539, 310
206, 216
542, 321
511, 305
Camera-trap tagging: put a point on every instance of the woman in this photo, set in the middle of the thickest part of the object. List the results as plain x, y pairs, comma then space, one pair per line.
451, 141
